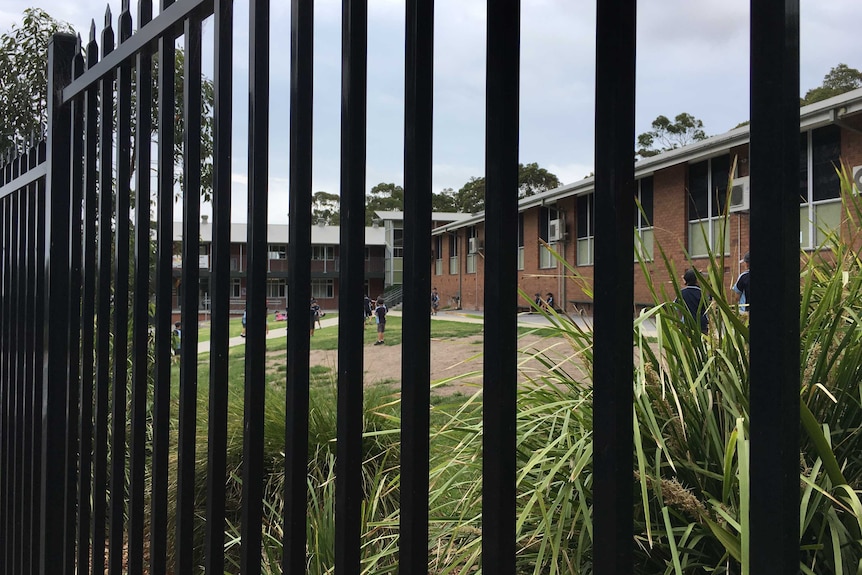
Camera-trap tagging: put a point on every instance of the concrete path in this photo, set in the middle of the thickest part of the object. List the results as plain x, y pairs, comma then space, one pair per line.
534, 320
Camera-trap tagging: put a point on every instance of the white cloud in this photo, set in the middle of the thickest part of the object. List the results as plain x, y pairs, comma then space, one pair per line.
692, 57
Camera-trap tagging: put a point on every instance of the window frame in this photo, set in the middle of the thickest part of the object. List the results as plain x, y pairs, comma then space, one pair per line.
546, 257
277, 251
815, 202
328, 252
644, 228
585, 234
327, 285
714, 219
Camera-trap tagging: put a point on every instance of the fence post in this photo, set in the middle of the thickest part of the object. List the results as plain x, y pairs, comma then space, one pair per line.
56, 351
774, 347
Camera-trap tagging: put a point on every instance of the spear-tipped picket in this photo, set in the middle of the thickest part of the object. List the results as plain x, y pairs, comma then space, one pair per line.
145, 12
125, 22
92, 47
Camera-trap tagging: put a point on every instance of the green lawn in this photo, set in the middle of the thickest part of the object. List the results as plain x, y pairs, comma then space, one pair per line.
327, 338
235, 326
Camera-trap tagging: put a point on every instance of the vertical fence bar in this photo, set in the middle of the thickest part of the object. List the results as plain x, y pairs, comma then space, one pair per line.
190, 296
299, 286
501, 285
18, 286
5, 339
348, 482
774, 476
416, 373
255, 358
164, 305
613, 526
88, 308
38, 353
73, 450
120, 272
103, 306
220, 286
56, 269
140, 333
30, 496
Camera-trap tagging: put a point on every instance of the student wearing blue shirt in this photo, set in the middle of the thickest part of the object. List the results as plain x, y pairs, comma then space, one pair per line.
380, 318
743, 284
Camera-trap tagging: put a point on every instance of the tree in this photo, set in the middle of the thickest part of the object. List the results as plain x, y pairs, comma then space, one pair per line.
326, 208
532, 179
471, 197
24, 88
24, 77
443, 201
383, 197
839, 80
666, 135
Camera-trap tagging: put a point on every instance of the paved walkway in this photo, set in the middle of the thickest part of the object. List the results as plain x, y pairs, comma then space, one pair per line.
534, 320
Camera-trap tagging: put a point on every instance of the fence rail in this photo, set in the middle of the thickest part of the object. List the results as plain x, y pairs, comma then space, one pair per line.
80, 490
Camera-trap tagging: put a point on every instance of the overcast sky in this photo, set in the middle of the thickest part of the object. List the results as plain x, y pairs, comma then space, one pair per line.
692, 57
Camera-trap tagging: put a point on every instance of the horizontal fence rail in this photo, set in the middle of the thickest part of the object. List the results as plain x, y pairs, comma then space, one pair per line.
115, 431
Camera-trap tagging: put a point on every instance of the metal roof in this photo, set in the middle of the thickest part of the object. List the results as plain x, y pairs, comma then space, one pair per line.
278, 234
830, 111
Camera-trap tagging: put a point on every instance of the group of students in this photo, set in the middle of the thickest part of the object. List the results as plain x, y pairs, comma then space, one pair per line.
547, 303
376, 309
696, 301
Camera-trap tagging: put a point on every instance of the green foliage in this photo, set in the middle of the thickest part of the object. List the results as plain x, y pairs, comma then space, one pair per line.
669, 135
691, 445
531, 180
325, 207
24, 77
383, 197
444, 201
837, 81
24, 85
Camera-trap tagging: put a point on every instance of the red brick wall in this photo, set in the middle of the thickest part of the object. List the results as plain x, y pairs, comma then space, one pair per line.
670, 215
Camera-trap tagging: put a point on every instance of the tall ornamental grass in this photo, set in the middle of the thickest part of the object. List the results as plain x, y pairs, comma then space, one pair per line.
691, 442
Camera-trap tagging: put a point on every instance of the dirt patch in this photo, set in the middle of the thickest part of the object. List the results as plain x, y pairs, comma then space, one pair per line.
458, 363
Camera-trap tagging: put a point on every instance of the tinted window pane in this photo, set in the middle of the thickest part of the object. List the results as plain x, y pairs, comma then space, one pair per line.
583, 208
825, 150
543, 223
646, 202
698, 191
720, 174
803, 168
521, 229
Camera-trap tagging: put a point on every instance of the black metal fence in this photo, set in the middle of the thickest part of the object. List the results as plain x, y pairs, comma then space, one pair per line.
73, 499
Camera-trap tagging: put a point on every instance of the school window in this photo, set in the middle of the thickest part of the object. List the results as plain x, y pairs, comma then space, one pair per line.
277, 252
819, 188
453, 254
235, 288
521, 240
643, 227
586, 229
322, 288
707, 196
547, 217
275, 288
438, 255
397, 243
323, 253
472, 244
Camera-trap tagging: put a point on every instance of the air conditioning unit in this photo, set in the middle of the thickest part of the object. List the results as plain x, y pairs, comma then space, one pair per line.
739, 195
473, 245
556, 230
857, 178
